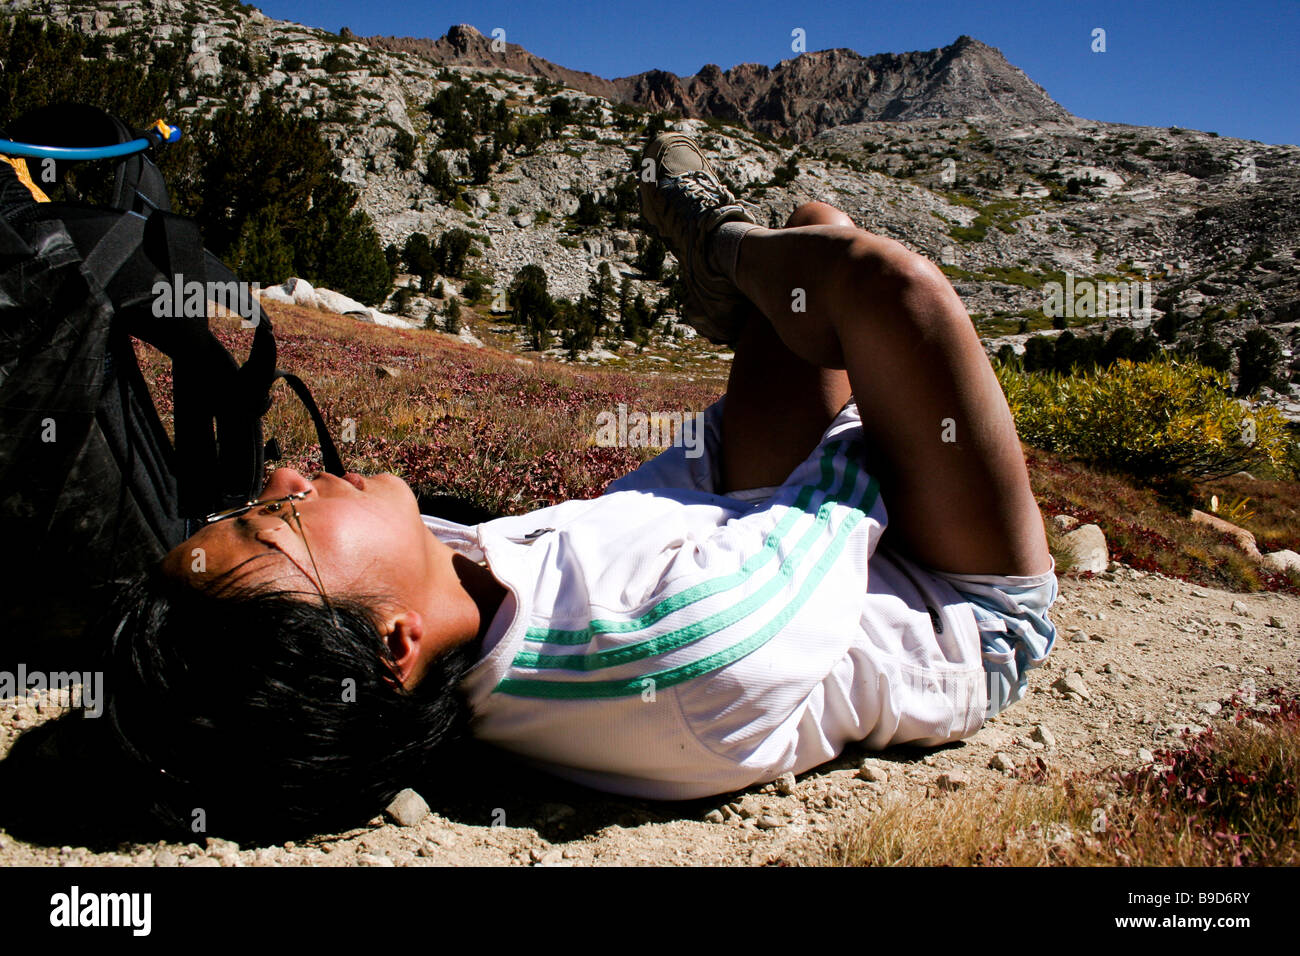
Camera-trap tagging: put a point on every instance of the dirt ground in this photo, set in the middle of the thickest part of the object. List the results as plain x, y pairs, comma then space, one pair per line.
1139, 657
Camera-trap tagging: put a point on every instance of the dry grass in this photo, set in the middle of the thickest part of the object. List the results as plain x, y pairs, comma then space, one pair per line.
511, 434
1228, 798
1271, 509
1148, 533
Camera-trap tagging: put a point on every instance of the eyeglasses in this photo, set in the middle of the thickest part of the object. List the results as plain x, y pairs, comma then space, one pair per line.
273, 505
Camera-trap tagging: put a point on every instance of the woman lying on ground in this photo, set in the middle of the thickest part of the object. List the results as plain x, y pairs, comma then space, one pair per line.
707, 624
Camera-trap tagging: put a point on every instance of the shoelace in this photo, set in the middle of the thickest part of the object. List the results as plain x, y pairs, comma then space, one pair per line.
698, 184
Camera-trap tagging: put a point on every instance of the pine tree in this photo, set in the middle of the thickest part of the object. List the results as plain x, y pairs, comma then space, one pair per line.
260, 254
271, 163
532, 305
1258, 355
601, 290
437, 175
453, 252
480, 165
650, 259
624, 302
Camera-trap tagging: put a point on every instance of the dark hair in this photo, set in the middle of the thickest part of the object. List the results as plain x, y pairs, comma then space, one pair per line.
274, 714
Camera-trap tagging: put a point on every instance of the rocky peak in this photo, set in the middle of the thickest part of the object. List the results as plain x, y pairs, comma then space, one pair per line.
465, 39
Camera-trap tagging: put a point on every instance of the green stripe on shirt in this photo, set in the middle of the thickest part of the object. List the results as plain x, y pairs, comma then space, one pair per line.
558, 689
704, 589
698, 630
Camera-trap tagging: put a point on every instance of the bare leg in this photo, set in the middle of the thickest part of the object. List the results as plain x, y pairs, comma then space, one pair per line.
940, 437
778, 405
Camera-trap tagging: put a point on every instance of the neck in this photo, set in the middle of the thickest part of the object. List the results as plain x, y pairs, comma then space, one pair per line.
483, 589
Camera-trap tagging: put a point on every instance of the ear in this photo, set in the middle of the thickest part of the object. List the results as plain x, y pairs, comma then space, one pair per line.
410, 645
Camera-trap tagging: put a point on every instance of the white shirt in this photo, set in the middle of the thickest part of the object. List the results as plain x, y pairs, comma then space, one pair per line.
670, 643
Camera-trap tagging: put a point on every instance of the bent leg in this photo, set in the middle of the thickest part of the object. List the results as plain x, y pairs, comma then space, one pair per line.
778, 405
940, 437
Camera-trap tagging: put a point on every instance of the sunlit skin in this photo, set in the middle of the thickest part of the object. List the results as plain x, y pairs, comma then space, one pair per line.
366, 539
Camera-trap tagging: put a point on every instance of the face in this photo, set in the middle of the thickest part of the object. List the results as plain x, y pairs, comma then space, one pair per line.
365, 538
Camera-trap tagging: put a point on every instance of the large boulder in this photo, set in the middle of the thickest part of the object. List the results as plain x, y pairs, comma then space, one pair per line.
1245, 540
328, 300
1087, 544
275, 294
301, 291
376, 317
1281, 561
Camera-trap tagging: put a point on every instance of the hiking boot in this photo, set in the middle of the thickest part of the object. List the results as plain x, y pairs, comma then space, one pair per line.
685, 201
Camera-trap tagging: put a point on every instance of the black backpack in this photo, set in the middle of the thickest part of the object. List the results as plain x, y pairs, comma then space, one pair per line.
92, 492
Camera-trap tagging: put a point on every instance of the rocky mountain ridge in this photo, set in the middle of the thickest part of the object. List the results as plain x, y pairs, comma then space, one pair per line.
798, 98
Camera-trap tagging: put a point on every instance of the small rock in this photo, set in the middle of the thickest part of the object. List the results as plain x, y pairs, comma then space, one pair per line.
1240, 608
1078, 636
952, 780
767, 822
1065, 523
164, 858
1275, 621
1072, 683
714, 816
785, 784
1002, 762
407, 809
387, 371
1145, 755
1194, 592
1248, 692
1043, 736
1211, 706
371, 859
872, 773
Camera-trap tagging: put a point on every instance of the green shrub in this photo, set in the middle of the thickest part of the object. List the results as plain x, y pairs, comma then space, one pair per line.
1152, 420
472, 290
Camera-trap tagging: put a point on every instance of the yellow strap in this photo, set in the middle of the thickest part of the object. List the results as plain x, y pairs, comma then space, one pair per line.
20, 167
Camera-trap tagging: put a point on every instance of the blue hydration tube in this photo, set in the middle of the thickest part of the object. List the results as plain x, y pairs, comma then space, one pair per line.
160, 132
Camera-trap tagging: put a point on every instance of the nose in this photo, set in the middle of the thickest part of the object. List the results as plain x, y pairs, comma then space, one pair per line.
285, 481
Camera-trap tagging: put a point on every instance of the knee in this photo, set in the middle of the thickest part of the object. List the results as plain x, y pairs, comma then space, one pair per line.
884, 271
817, 214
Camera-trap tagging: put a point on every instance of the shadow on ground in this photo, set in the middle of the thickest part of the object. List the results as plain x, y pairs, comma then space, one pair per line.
56, 790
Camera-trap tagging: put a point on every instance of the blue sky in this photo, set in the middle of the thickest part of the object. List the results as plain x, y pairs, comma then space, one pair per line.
1227, 67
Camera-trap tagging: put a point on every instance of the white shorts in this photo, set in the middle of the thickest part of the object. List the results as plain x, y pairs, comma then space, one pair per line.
1016, 633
